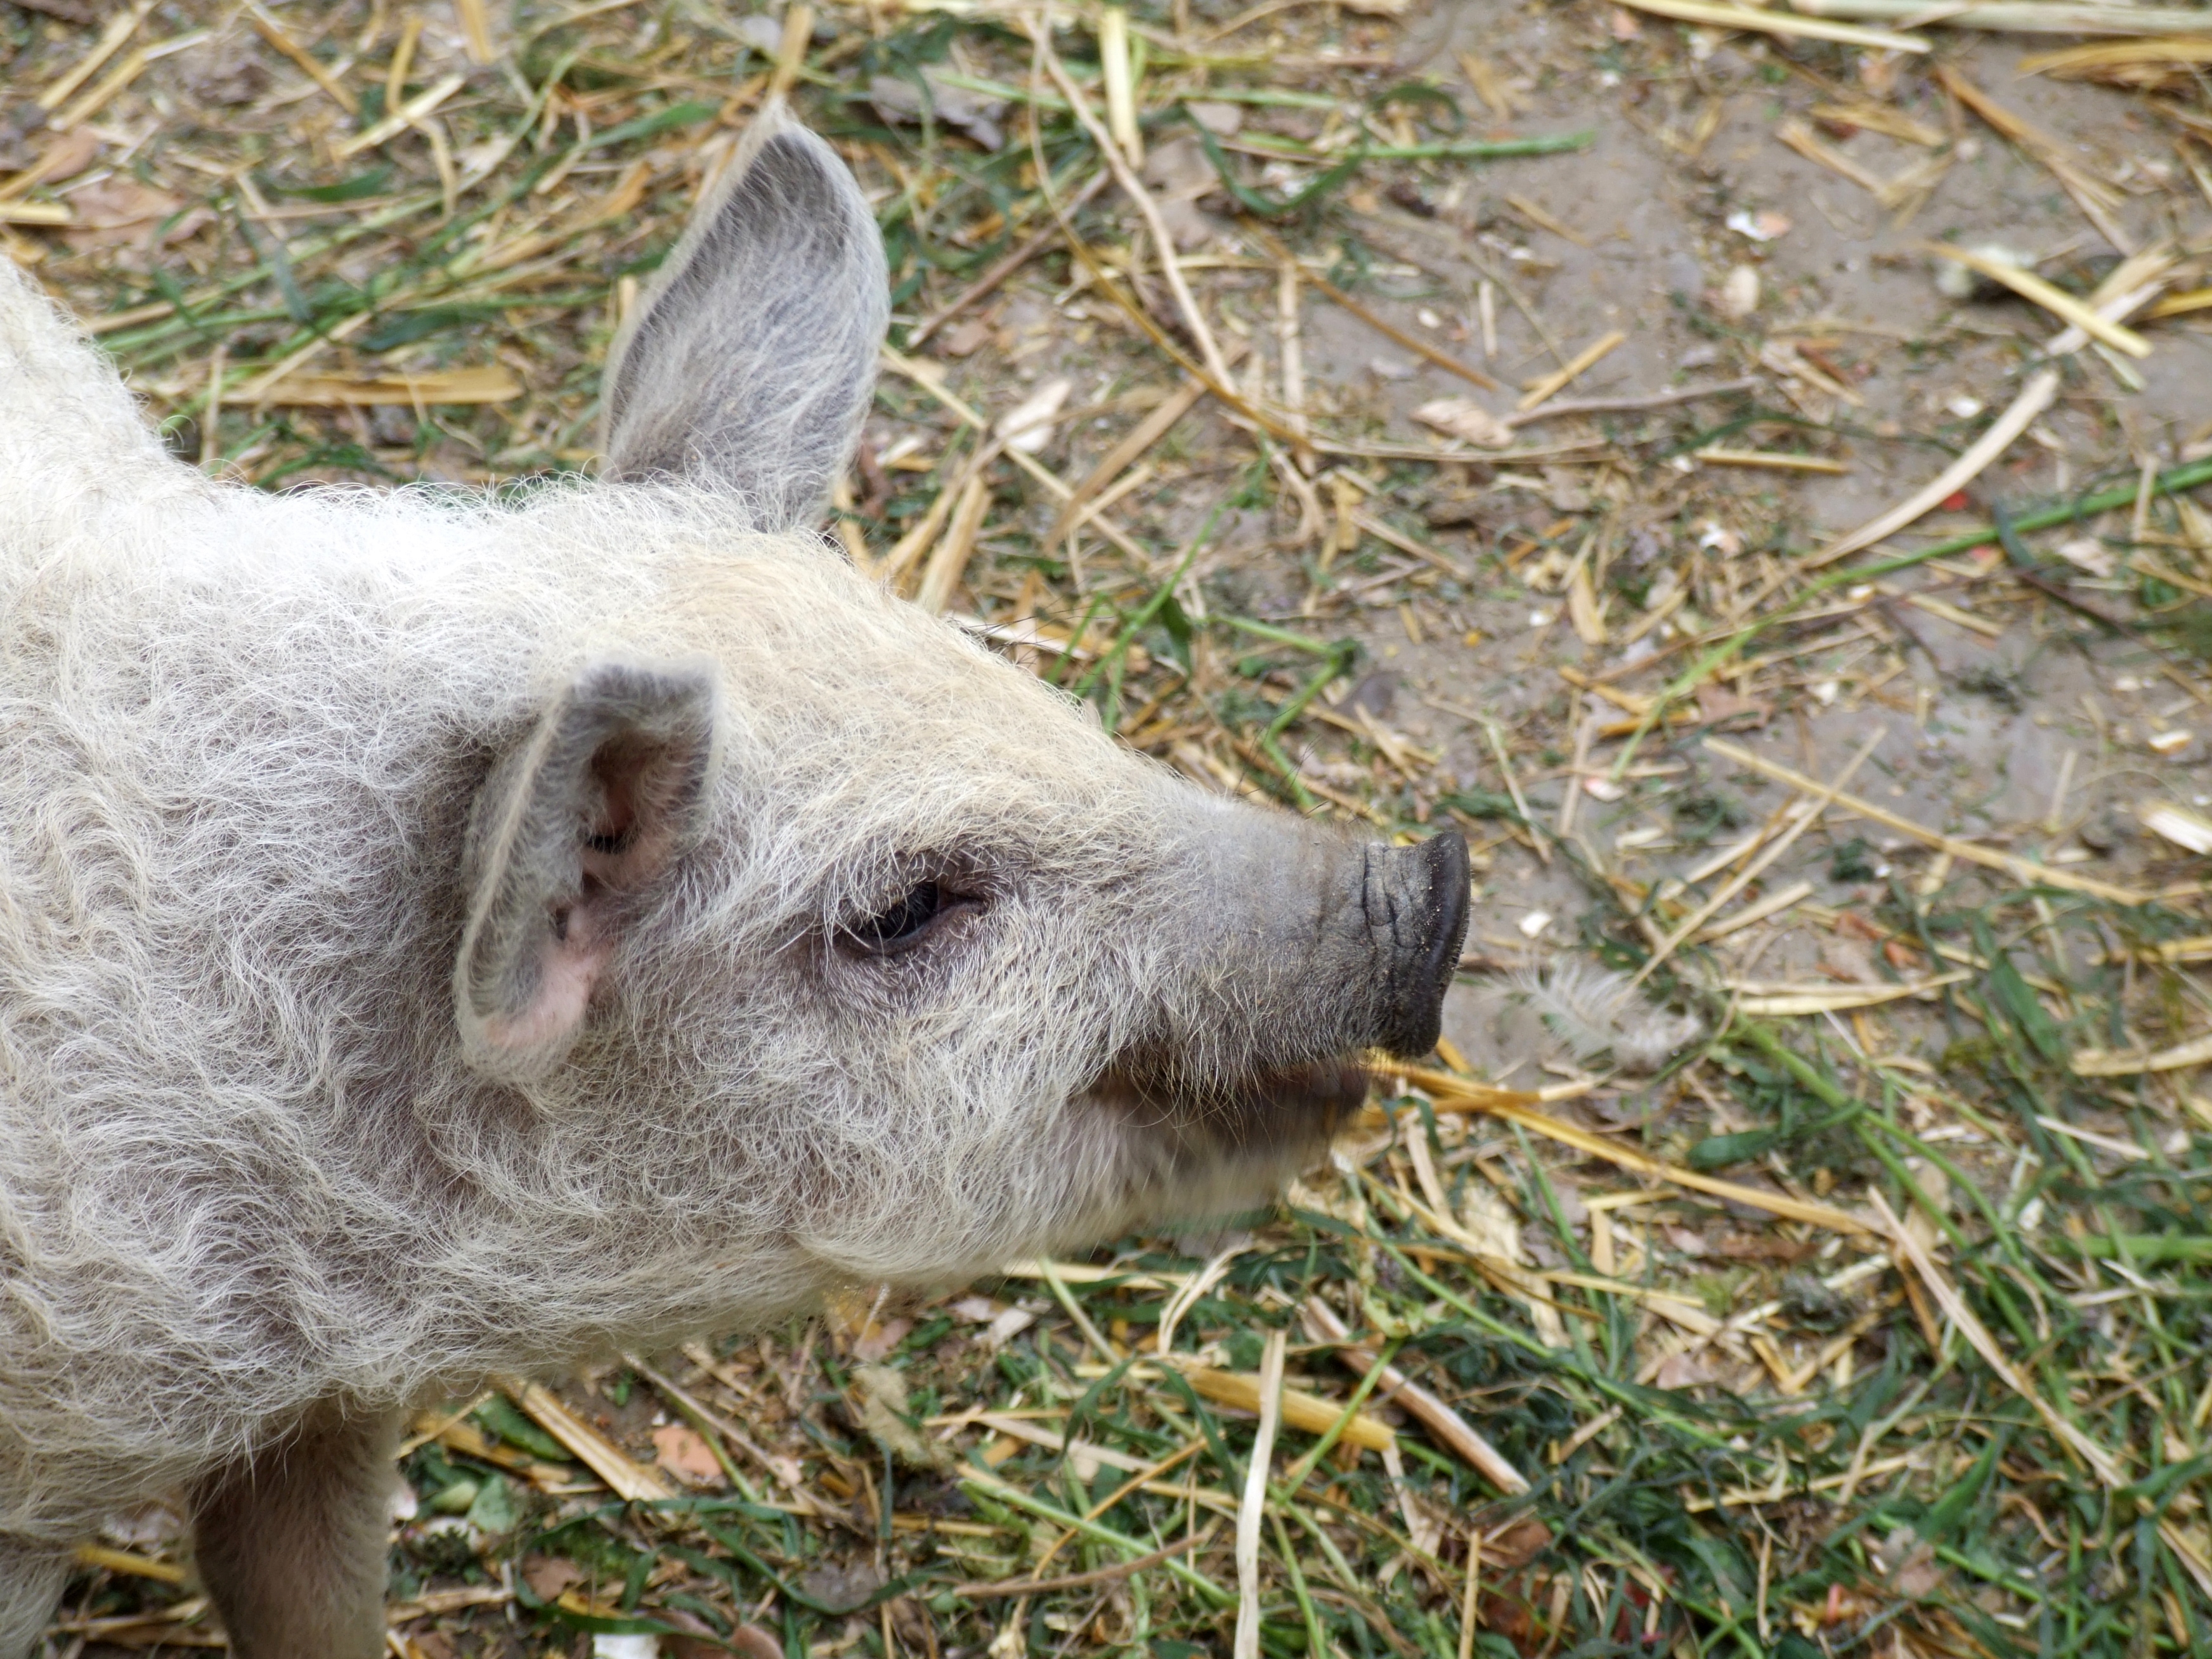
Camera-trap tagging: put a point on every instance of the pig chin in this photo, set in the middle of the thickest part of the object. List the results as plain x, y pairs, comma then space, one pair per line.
1200, 1144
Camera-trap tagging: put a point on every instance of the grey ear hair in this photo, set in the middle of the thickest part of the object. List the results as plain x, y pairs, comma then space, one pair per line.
568, 833
748, 364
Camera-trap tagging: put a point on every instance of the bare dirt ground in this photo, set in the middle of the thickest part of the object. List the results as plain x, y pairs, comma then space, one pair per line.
1732, 1404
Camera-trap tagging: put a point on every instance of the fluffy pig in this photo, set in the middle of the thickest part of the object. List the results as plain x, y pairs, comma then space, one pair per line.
440, 938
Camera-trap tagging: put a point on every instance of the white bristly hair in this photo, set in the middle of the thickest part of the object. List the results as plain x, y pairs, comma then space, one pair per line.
443, 936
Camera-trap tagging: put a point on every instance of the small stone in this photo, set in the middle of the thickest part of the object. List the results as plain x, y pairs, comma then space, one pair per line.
1223, 120
1740, 292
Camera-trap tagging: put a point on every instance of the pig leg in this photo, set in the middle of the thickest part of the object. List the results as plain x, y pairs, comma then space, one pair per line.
32, 1572
291, 1540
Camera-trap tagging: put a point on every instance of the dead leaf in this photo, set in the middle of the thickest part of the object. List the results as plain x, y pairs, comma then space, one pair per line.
1463, 417
1181, 177
1931, 1180
2087, 553
1758, 1246
2184, 829
1224, 120
68, 156
969, 336
1565, 489
121, 213
842, 1587
1684, 1370
1848, 959
1584, 610
1740, 292
900, 101
883, 1413
682, 1451
1716, 703
1028, 426
549, 1576
876, 1341
1517, 1544
1764, 227
1911, 1563
1491, 1221
749, 1641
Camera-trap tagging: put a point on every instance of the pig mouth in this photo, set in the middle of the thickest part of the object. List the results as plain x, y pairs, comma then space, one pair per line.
1265, 1108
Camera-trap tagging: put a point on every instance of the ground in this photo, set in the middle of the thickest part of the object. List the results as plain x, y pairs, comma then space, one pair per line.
1840, 1290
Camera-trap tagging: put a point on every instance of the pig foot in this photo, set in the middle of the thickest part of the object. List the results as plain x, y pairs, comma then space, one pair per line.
291, 1540
31, 1577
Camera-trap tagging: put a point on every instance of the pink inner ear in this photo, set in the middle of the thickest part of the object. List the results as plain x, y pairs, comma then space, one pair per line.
568, 970
636, 811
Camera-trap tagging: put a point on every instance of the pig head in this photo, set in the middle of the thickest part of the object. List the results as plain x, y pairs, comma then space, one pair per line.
440, 937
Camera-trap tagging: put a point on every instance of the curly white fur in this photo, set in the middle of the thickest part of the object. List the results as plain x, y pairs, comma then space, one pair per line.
248, 1167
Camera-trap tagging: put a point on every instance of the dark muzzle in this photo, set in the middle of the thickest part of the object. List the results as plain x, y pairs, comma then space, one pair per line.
1415, 903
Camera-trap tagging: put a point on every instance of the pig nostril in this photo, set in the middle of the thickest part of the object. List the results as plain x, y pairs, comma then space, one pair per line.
1423, 973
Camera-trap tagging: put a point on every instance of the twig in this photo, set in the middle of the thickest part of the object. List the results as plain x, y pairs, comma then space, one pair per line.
1442, 360
2035, 17
68, 10
1515, 1106
2092, 196
1552, 411
1133, 188
1219, 385
2051, 298
1251, 1511
1007, 267
2038, 395
784, 1470
791, 50
2098, 1062
1815, 807
401, 119
1561, 376
1777, 22
119, 28
1441, 1420
1291, 353
629, 1480
1146, 433
2019, 868
1513, 788
1469, 1601
948, 562
1098, 1575
2100, 1460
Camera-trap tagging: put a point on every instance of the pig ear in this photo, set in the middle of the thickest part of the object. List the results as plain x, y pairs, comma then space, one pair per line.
570, 836
749, 363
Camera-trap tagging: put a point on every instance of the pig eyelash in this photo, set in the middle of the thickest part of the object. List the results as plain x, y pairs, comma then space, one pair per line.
920, 912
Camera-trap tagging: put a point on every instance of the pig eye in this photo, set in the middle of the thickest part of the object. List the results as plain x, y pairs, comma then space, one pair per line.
907, 923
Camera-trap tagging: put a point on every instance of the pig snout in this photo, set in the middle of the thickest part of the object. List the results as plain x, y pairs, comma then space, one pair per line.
1413, 904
